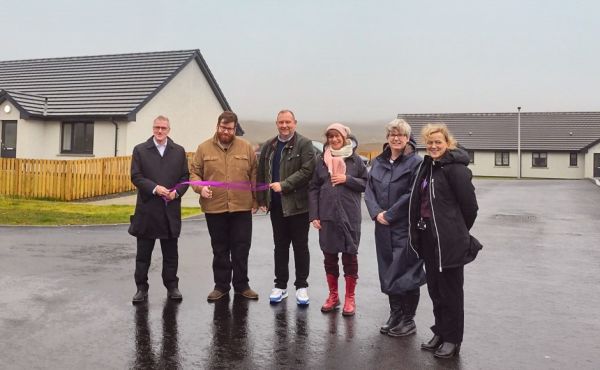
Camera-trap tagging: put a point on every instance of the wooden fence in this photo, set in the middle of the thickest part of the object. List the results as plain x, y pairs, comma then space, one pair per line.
64, 179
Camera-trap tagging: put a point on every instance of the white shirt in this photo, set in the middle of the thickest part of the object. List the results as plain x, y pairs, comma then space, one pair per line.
161, 147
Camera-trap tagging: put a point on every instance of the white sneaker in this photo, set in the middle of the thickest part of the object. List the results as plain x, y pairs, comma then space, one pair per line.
277, 295
302, 296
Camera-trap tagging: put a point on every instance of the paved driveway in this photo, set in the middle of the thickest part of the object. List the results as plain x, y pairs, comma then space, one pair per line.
531, 297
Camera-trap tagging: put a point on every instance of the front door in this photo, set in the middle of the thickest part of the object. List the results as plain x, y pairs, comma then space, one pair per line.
596, 164
9, 139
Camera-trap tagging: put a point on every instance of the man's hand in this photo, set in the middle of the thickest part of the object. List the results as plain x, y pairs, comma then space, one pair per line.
206, 193
161, 191
381, 219
263, 209
172, 195
276, 187
338, 179
317, 224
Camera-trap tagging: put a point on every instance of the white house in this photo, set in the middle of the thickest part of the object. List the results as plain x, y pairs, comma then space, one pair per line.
558, 145
101, 106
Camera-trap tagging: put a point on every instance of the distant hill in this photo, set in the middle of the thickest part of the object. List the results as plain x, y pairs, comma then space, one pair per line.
370, 135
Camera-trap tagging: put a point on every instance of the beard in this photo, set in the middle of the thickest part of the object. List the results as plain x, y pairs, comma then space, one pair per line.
225, 137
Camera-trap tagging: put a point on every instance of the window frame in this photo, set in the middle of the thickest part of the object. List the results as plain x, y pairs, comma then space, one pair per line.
540, 156
571, 156
503, 155
471, 156
74, 148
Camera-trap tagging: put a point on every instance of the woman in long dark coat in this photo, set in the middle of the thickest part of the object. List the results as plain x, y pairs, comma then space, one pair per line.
387, 197
334, 199
443, 208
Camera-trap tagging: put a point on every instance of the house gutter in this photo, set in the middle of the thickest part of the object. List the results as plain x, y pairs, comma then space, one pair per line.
116, 134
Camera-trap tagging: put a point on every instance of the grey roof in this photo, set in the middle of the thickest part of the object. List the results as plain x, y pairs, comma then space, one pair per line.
115, 86
540, 131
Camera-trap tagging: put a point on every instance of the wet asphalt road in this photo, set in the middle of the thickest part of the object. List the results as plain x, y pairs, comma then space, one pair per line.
531, 297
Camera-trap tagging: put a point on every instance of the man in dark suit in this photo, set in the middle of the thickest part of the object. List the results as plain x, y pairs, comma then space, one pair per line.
157, 165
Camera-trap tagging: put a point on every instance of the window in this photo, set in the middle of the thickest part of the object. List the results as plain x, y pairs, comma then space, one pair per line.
77, 137
502, 158
539, 159
573, 159
471, 156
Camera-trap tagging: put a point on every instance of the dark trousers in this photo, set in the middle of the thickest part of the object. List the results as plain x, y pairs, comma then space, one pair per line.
446, 292
230, 237
144, 257
294, 230
349, 261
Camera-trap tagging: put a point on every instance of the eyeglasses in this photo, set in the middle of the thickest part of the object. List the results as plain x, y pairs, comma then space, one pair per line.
226, 129
395, 136
160, 128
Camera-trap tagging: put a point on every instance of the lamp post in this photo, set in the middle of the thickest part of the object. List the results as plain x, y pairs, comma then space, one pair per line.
519, 141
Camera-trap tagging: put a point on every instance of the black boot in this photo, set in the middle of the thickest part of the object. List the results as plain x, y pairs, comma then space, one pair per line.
140, 296
407, 326
447, 350
395, 313
433, 344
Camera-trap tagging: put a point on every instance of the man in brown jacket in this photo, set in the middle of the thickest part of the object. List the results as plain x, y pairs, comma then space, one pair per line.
227, 159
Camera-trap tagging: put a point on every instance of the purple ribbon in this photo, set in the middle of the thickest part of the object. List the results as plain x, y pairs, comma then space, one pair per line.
235, 185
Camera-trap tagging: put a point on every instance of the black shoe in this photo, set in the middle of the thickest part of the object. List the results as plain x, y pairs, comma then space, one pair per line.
394, 319
433, 344
140, 296
174, 294
395, 313
447, 350
406, 327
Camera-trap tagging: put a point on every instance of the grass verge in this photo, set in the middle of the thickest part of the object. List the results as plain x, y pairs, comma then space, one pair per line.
16, 211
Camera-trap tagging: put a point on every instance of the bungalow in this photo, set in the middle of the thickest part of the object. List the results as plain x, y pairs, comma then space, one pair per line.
102, 106
558, 145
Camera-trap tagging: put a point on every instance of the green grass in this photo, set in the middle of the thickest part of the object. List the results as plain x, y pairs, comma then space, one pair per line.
16, 211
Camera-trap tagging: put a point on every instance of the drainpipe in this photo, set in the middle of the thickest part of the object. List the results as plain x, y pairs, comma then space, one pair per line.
519, 140
45, 112
116, 134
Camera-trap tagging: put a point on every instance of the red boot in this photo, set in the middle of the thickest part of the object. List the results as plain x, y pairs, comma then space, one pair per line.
333, 300
349, 302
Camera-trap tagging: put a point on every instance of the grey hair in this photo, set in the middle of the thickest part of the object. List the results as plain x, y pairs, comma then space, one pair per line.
399, 125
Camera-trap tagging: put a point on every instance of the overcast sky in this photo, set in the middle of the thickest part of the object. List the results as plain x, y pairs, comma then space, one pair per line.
352, 61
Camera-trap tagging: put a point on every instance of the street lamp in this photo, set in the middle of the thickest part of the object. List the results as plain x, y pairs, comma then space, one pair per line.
519, 141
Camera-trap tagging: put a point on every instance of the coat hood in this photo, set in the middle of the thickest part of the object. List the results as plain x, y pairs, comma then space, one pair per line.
458, 155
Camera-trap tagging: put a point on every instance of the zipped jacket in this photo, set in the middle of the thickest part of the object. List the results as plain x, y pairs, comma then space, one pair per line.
295, 171
453, 208
236, 164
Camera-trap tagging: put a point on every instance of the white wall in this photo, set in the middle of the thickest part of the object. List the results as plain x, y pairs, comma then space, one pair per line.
41, 140
34, 140
557, 167
13, 115
484, 164
589, 160
191, 106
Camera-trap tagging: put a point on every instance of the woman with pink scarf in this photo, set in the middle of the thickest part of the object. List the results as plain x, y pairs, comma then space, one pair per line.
334, 199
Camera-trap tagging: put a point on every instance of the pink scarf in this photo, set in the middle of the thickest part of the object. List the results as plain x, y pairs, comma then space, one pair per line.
335, 165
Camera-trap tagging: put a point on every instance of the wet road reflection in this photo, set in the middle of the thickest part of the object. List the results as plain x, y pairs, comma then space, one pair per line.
228, 348
290, 339
168, 356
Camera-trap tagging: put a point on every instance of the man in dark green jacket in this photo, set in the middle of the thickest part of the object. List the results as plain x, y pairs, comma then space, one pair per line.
286, 163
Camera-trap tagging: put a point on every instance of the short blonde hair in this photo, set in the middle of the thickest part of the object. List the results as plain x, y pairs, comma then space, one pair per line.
399, 125
432, 128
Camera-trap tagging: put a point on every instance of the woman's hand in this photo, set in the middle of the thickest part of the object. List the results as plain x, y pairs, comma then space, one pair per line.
317, 224
338, 179
381, 218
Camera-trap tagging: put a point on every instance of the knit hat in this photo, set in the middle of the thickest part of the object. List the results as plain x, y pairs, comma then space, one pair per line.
343, 130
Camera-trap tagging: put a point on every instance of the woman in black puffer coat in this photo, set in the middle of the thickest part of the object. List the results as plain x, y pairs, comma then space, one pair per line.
443, 207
